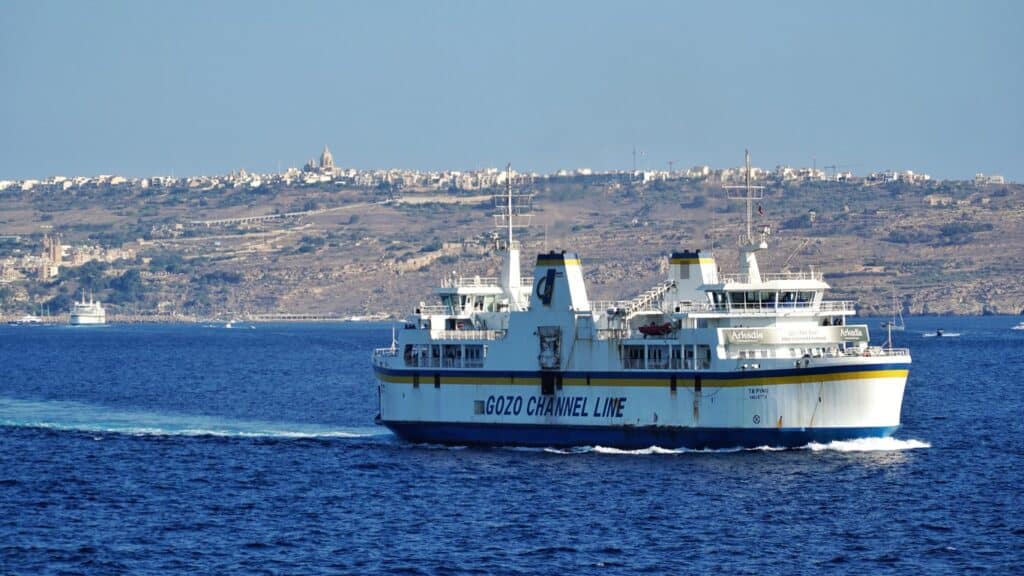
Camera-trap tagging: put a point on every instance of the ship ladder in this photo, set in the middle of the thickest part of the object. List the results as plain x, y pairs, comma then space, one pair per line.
821, 389
644, 301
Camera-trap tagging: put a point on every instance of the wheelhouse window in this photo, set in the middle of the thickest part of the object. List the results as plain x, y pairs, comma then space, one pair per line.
737, 301
474, 355
453, 356
417, 355
753, 299
718, 299
787, 299
703, 357
657, 357
448, 300
633, 357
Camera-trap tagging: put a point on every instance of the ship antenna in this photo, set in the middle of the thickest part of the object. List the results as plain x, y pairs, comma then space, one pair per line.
508, 193
750, 203
889, 326
512, 210
748, 248
750, 193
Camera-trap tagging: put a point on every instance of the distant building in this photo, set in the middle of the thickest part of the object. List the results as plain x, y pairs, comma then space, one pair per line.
938, 200
53, 249
324, 166
982, 180
326, 160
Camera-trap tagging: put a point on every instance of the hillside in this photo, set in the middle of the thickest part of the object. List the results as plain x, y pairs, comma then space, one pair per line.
943, 247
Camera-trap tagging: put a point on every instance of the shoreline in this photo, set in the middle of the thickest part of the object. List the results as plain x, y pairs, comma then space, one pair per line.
62, 320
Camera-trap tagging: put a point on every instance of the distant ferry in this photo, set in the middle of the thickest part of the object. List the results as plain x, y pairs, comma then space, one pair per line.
87, 313
27, 319
701, 360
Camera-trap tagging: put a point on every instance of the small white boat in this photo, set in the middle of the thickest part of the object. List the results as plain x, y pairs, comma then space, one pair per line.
1018, 326
940, 333
28, 319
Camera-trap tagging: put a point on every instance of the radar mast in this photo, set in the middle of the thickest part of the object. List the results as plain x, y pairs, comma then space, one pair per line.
512, 210
748, 247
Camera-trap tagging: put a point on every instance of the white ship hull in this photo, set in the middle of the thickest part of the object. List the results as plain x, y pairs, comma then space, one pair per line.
87, 319
788, 407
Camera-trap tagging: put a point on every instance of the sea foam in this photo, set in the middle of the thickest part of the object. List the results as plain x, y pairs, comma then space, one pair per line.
85, 417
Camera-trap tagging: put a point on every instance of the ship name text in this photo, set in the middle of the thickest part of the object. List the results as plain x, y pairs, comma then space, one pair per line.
576, 406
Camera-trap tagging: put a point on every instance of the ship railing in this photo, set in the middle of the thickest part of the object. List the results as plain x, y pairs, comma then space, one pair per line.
838, 306
480, 282
388, 352
828, 306
769, 308
610, 307
701, 307
879, 351
467, 334
743, 278
435, 309
612, 334
470, 281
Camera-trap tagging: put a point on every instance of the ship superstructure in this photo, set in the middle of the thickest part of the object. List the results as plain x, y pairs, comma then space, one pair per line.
700, 360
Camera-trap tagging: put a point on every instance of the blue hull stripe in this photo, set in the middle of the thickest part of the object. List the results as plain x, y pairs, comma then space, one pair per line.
625, 437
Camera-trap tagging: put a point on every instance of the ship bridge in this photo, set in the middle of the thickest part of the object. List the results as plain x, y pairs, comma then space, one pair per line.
781, 293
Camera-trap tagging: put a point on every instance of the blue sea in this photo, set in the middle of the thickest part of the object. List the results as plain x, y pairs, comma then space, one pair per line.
204, 450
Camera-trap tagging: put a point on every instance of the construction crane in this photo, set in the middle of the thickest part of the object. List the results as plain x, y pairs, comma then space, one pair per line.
835, 170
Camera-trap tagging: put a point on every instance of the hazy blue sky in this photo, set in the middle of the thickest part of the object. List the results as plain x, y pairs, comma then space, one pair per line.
171, 87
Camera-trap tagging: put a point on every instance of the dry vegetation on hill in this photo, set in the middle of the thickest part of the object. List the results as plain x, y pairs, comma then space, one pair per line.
943, 247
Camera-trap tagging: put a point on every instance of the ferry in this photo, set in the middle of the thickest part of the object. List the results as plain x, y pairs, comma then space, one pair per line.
27, 319
88, 312
702, 360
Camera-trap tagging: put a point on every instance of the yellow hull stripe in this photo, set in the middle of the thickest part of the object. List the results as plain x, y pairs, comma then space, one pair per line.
427, 379
693, 260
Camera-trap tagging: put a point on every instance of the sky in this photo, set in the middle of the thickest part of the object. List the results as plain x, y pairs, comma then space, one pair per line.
146, 88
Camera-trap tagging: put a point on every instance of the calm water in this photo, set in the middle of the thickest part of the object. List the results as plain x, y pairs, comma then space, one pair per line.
168, 449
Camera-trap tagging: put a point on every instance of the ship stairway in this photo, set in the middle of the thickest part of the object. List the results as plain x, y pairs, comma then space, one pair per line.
645, 301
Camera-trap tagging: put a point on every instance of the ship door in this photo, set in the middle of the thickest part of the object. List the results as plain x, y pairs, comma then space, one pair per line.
550, 357
549, 382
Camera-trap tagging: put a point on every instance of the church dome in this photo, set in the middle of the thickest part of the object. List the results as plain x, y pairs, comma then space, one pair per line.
326, 160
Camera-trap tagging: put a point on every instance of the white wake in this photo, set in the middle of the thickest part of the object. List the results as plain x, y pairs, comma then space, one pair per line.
889, 444
84, 417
